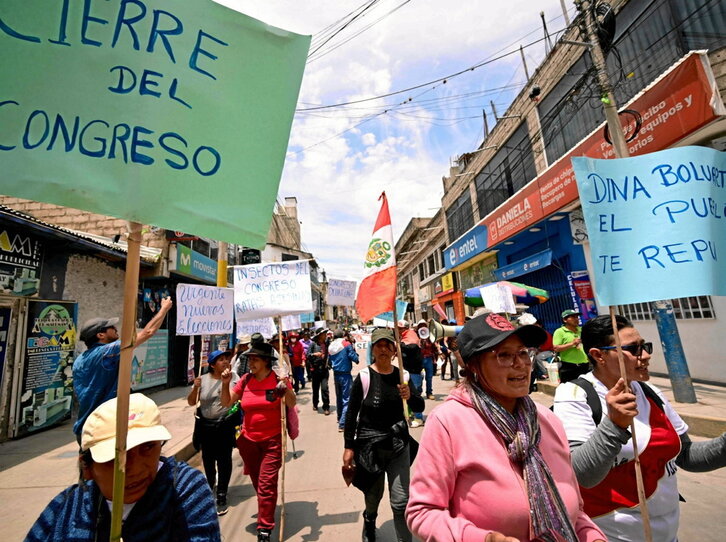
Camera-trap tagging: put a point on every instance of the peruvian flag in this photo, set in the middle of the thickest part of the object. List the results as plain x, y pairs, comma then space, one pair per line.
377, 291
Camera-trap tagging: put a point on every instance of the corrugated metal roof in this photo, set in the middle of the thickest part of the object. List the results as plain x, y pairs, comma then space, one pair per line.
105, 244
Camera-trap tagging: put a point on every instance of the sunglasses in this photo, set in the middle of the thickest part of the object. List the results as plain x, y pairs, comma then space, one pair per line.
634, 349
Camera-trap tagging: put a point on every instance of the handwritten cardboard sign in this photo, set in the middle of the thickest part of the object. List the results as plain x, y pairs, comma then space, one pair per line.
272, 289
657, 224
175, 114
264, 326
341, 292
498, 298
204, 310
291, 322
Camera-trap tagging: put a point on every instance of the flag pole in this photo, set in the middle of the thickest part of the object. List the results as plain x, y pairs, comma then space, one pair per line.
128, 336
283, 434
395, 322
400, 357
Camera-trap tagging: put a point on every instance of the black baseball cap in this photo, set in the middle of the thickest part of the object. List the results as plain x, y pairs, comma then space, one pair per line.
95, 325
488, 330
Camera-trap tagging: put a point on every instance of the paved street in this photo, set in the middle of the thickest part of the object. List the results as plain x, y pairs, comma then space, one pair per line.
319, 506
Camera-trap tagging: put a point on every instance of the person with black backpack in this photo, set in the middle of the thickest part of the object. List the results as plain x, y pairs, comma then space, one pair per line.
597, 409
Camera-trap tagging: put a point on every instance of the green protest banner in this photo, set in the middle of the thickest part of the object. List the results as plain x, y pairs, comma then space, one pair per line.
169, 113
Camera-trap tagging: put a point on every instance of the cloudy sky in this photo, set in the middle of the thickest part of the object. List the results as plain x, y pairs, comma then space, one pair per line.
341, 158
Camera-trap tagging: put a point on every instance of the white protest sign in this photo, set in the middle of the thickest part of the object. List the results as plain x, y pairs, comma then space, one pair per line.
498, 298
341, 292
320, 323
271, 289
380, 322
203, 310
264, 326
291, 321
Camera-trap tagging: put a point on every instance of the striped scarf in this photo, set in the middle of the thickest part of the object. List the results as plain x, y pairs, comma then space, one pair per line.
521, 434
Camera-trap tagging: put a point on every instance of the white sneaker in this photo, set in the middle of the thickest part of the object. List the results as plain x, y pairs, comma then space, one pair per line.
416, 422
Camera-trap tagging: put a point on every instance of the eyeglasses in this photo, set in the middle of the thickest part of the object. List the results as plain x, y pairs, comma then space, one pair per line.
506, 359
635, 349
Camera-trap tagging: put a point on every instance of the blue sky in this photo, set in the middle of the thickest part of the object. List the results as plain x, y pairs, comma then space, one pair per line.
340, 159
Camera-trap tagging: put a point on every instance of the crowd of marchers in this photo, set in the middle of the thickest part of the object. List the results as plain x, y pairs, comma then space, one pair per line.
491, 466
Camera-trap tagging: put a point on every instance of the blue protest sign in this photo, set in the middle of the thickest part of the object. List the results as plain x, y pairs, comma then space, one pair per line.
401, 307
657, 224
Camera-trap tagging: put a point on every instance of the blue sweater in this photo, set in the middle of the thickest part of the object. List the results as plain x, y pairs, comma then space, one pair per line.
342, 356
178, 506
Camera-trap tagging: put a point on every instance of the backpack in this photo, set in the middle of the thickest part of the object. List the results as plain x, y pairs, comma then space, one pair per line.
365, 380
593, 399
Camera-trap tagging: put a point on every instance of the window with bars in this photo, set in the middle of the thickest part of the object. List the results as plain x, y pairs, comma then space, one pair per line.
685, 308
459, 217
511, 168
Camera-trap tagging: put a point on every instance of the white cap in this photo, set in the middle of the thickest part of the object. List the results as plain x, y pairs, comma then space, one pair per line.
99, 431
403, 323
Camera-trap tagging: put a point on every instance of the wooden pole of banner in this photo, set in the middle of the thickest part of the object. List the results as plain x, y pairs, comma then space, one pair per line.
128, 336
621, 151
400, 357
283, 434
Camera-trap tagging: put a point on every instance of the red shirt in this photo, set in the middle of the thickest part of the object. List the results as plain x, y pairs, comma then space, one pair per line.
262, 416
298, 354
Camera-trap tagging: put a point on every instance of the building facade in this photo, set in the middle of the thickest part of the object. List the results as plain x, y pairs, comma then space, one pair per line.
511, 207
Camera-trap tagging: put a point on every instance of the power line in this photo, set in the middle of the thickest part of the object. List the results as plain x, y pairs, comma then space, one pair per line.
443, 80
353, 18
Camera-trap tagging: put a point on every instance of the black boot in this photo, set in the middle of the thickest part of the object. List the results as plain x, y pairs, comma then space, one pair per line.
369, 528
263, 535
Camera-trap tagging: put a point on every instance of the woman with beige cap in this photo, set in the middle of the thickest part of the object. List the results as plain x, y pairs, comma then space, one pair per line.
164, 500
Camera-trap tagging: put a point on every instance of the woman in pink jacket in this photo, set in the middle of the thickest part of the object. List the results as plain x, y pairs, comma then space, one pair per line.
493, 466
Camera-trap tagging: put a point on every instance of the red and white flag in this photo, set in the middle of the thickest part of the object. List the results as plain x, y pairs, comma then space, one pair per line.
377, 291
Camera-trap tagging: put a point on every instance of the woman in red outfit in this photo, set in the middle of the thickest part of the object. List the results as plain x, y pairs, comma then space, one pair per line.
260, 443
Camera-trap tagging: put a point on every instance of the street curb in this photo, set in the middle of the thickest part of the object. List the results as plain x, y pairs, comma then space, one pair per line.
185, 452
702, 426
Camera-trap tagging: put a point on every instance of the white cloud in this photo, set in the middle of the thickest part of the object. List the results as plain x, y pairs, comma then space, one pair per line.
339, 161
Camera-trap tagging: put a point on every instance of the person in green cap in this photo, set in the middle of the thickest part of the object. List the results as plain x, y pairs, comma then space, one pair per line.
567, 344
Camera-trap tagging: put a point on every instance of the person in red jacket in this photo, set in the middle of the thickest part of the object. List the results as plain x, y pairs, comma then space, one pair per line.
297, 358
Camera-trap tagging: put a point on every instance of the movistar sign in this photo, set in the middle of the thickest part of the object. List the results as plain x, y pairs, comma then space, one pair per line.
472, 243
196, 265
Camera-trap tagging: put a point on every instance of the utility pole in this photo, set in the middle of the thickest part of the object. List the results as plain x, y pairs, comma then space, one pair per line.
524, 62
664, 315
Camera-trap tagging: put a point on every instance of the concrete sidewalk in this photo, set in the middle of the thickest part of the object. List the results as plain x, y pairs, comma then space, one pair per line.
706, 418
35, 469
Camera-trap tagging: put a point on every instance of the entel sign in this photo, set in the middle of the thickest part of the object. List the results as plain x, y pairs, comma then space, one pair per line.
473, 243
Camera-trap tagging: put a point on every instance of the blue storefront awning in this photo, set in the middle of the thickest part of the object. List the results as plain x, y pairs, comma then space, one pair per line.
522, 267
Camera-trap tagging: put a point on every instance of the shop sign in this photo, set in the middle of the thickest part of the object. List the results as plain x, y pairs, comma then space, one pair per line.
522, 267
150, 362
472, 243
678, 104
447, 283
47, 385
20, 260
194, 264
